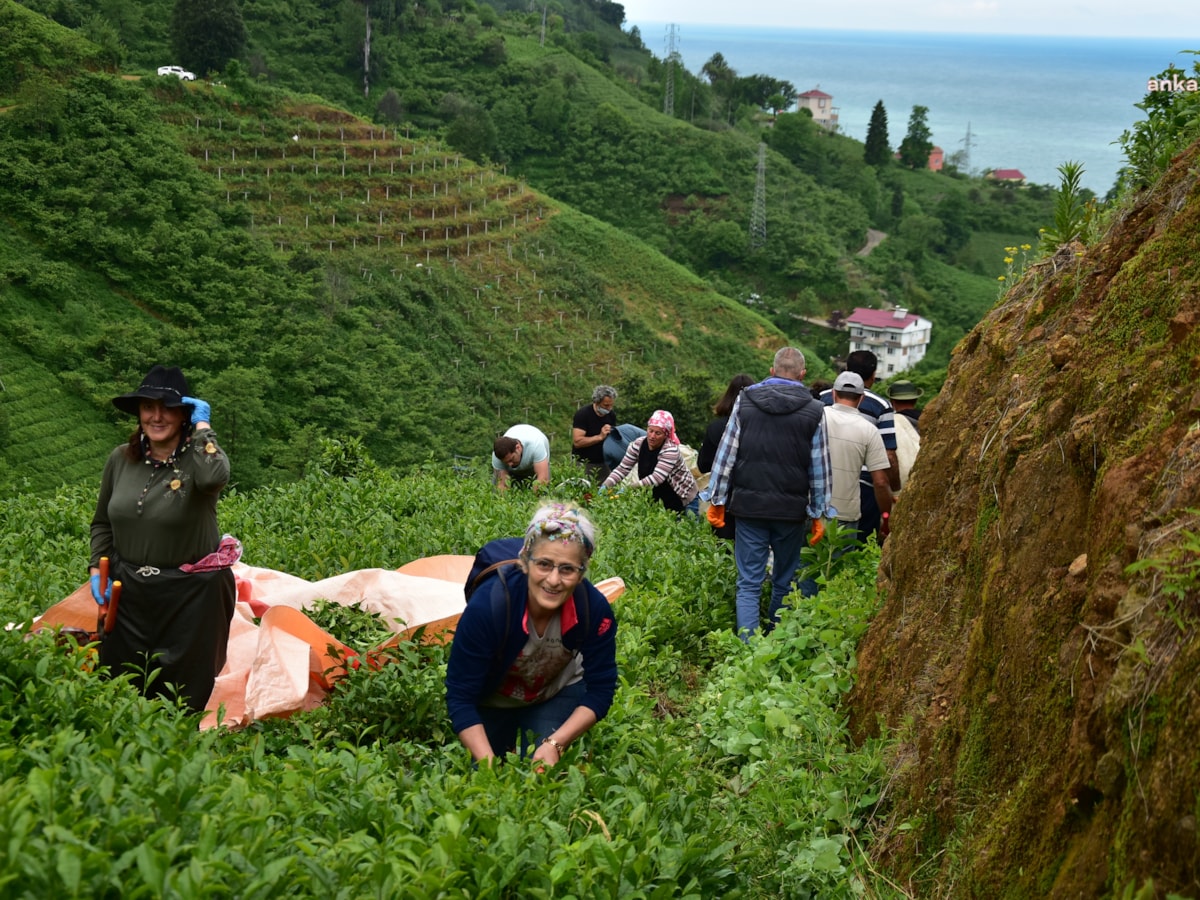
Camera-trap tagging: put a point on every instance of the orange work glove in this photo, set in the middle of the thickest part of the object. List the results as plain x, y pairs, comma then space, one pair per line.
818, 532
716, 516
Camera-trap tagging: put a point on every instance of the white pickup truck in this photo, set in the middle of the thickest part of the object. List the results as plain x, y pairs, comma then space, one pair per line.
177, 71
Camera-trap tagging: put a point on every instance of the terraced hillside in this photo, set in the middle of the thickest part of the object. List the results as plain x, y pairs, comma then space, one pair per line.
319, 276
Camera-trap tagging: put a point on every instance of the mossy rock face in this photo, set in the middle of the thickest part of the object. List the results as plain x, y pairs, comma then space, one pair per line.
1043, 687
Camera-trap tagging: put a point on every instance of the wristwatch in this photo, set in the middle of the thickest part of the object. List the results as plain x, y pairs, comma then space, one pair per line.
555, 744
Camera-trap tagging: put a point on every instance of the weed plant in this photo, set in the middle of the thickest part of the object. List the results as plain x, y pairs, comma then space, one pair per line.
721, 770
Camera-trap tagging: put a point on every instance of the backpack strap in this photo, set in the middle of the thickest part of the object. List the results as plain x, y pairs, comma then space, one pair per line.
494, 567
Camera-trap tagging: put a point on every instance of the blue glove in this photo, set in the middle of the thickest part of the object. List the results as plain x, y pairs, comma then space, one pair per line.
201, 411
100, 599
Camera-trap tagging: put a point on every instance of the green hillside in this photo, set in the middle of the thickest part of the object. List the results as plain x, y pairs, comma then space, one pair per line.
321, 273
574, 104
127, 239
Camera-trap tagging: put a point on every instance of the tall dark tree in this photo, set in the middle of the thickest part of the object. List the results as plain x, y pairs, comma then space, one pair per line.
722, 77
897, 203
390, 109
757, 90
206, 34
918, 143
877, 152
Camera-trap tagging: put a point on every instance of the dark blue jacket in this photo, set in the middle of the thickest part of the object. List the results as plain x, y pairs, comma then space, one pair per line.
778, 419
484, 650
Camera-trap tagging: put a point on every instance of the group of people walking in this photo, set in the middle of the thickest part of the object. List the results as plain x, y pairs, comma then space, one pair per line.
788, 460
533, 662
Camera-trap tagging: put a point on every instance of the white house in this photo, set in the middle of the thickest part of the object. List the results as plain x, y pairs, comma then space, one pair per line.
820, 104
897, 337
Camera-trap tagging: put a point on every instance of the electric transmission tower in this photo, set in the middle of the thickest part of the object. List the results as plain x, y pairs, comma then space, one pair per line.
968, 142
758, 212
672, 59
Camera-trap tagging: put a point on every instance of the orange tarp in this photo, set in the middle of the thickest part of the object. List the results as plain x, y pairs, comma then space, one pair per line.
285, 663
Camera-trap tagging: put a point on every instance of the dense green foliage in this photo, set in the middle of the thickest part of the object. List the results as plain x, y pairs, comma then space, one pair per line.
118, 249
156, 221
1172, 123
207, 34
721, 770
917, 143
574, 107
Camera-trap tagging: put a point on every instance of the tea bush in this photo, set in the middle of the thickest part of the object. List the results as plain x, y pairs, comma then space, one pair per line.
721, 770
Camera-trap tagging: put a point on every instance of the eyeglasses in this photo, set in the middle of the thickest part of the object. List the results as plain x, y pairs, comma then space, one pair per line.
566, 570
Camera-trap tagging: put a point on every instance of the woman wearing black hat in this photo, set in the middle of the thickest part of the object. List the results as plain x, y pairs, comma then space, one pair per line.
156, 520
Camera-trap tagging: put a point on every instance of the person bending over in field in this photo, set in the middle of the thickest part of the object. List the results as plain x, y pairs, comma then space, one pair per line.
533, 663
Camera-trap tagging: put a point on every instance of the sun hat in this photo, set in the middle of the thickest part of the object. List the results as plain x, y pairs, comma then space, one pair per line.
160, 383
849, 383
903, 390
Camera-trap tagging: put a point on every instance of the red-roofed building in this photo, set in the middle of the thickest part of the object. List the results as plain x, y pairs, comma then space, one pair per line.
897, 337
1015, 176
937, 159
820, 104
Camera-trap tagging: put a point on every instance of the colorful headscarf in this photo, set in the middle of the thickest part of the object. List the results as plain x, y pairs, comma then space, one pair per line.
559, 522
664, 420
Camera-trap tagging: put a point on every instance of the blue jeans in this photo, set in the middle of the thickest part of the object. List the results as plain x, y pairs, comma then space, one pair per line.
809, 586
533, 722
756, 539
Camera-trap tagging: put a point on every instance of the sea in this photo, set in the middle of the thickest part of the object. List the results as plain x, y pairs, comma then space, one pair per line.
1011, 101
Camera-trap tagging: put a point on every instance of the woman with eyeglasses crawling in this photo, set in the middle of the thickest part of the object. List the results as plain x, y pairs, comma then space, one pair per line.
533, 664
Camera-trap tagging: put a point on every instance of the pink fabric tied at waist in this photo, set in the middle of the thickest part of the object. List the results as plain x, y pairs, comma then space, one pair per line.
227, 553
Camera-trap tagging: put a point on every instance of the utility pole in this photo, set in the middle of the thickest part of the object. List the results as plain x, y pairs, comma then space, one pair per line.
672, 59
758, 212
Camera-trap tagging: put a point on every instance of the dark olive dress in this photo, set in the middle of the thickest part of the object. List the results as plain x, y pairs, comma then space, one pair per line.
151, 518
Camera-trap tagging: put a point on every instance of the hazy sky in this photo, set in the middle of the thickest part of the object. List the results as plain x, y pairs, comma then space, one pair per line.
1115, 18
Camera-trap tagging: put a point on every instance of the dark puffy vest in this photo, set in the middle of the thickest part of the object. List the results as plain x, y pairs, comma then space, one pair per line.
770, 473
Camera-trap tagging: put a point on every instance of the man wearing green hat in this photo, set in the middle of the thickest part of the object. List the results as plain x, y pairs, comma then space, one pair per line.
904, 396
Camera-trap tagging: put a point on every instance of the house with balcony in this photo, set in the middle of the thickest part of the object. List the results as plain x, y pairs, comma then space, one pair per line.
820, 104
897, 337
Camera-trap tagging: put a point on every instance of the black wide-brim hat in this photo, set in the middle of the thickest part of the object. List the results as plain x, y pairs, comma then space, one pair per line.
160, 383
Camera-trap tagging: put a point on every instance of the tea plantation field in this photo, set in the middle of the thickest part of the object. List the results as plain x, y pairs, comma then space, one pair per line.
721, 771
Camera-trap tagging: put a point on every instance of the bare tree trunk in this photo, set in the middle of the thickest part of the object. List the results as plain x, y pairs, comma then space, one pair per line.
367, 52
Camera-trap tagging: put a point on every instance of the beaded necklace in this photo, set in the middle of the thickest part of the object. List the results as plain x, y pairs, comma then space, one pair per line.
158, 465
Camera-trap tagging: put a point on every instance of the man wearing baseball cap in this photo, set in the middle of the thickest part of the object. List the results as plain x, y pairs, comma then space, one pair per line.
878, 411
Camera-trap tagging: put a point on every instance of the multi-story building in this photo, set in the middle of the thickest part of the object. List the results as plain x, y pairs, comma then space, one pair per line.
897, 337
820, 104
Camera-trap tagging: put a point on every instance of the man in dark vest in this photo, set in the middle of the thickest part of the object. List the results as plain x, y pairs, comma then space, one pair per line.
772, 471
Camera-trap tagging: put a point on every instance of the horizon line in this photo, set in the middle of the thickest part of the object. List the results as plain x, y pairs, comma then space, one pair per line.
915, 31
